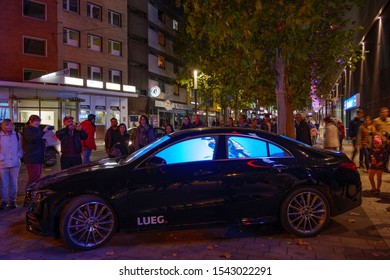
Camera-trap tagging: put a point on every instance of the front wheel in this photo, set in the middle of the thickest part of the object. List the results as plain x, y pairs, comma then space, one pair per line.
305, 212
87, 222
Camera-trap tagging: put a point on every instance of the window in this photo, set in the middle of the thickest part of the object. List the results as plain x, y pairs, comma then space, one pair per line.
71, 37
175, 24
161, 62
94, 73
161, 38
175, 89
114, 76
34, 9
161, 16
175, 68
198, 149
114, 18
34, 46
94, 11
94, 43
114, 48
74, 68
161, 85
71, 5
29, 74
245, 147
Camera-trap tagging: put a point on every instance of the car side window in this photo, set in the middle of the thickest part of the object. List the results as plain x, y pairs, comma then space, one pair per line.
246, 147
197, 149
275, 151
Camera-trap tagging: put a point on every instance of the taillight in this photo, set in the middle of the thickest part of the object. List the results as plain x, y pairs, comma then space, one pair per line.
348, 165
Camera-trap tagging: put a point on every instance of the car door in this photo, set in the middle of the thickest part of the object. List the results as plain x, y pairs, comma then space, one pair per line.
177, 185
253, 175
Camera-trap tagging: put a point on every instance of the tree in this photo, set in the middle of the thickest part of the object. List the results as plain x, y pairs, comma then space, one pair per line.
257, 47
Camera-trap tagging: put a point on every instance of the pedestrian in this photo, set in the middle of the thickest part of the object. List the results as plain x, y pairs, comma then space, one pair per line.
168, 129
144, 134
313, 135
268, 124
230, 122
382, 126
70, 137
378, 156
186, 123
331, 135
88, 144
352, 133
341, 128
33, 151
121, 141
302, 130
242, 121
110, 134
255, 124
197, 121
364, 140
10, 154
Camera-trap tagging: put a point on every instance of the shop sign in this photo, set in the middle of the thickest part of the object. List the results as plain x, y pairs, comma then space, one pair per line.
352, 102
155, 91
100, 108
115, 108
168, 105
87, 107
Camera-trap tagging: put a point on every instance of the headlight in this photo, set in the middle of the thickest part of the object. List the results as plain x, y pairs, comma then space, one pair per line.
40, 195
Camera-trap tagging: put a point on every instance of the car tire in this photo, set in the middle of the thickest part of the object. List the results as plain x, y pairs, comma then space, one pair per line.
87, 222
305, 212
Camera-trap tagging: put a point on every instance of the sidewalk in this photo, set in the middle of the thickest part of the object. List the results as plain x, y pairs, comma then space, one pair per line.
376, 207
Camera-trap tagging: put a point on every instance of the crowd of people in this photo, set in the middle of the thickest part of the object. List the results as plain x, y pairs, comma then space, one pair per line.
370, 140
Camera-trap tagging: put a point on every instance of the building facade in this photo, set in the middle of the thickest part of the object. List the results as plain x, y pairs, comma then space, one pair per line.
65, 58
153, 27
368, 87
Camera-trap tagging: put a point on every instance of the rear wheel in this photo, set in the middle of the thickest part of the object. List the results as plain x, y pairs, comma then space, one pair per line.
87, 222
305, 212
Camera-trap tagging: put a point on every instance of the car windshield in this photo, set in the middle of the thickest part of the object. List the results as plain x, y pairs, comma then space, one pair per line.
143, 150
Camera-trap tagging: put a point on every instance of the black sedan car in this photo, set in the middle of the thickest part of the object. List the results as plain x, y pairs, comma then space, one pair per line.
197, 176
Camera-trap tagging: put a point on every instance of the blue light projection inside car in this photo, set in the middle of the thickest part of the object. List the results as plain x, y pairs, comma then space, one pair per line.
198, 149
246, 147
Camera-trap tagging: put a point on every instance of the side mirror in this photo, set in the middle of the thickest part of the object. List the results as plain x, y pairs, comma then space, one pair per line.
155, 161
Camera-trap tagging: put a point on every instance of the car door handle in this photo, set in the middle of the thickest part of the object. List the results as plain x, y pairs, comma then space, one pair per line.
202, 172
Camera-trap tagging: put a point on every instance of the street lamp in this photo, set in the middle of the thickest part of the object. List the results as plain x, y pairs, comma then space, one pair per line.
195, 89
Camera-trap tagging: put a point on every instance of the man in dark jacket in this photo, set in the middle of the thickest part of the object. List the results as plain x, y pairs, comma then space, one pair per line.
302, 130
353, 132
111, 133
70, 137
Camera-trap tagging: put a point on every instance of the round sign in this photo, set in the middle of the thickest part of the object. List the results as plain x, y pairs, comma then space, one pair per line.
155, 91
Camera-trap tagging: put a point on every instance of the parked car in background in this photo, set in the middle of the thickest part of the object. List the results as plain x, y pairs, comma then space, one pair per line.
194, 177
53, 144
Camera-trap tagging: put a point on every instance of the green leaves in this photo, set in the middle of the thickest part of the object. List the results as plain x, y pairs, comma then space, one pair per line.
235, 41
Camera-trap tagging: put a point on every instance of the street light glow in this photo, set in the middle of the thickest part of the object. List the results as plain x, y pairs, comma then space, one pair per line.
195, 79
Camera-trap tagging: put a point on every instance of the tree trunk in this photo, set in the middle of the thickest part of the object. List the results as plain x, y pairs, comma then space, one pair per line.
285, 122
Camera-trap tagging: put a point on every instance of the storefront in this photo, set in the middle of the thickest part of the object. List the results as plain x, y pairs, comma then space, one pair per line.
20, 100
170, 113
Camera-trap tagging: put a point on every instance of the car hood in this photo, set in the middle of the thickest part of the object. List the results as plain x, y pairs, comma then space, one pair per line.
96, 166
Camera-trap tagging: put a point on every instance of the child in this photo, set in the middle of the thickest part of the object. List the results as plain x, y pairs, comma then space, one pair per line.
377, 157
